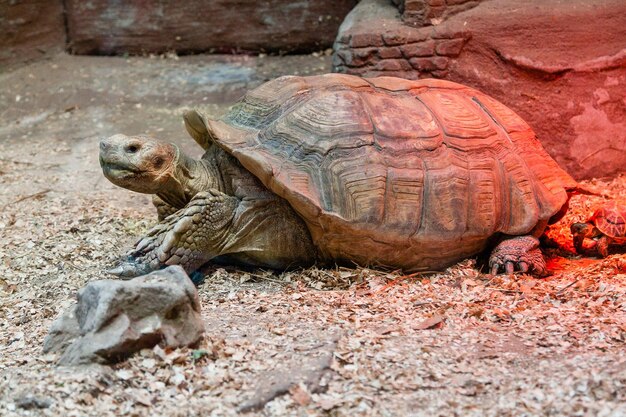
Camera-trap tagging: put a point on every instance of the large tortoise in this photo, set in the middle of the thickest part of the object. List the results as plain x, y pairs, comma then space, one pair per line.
385, 172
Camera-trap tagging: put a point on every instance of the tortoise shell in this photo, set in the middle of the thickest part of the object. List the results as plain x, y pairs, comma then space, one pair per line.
610, 219
386, 171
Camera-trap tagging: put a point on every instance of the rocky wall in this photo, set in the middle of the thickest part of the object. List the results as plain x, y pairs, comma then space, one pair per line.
560, 65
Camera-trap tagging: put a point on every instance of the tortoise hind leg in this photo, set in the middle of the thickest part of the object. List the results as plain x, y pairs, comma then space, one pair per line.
520, 253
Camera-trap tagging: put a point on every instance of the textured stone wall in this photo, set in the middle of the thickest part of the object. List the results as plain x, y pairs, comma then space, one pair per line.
418, 54
394, 49
30, 29
560, 65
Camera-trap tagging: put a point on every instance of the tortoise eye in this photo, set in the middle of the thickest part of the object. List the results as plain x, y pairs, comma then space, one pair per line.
132, 148
158, 162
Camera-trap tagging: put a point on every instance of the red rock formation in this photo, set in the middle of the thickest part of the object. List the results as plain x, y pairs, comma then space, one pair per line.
560, 65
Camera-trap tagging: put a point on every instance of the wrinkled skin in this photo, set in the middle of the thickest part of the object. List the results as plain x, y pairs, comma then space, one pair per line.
519, 253
138, 163
582, 231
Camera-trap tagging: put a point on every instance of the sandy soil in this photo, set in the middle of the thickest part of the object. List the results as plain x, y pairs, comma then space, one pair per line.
341, 342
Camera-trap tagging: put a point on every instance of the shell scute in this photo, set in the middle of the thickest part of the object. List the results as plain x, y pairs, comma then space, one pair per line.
446, 182
266, 103
317, 124
351, 190
458, 116
403, 207
404, 120
506, 117
400, 84
485, 210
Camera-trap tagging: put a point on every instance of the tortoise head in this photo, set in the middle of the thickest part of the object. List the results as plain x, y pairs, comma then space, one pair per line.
138, 163
581, 231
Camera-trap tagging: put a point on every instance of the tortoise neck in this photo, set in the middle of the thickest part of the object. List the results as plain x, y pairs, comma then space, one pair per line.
189, 176
205, 174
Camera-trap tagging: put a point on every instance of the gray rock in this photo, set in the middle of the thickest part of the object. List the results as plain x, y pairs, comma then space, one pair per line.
113, 319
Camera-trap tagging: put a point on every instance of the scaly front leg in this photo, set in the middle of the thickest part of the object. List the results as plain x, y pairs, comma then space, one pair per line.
189, 238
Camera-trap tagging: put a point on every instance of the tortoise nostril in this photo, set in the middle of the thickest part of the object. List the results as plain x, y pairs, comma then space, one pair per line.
104, 145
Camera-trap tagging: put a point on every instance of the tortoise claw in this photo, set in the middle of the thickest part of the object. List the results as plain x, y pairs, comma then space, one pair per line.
131, 268
520, 253
523, 266
118, 271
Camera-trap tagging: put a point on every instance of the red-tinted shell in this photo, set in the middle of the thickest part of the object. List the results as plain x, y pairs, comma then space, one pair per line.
408, 174
610, 219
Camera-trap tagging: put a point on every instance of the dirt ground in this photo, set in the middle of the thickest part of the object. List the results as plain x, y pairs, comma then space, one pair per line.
336, 342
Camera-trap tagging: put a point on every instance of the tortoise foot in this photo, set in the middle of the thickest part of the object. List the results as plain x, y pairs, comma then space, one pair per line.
519, 253
132, 267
